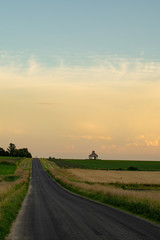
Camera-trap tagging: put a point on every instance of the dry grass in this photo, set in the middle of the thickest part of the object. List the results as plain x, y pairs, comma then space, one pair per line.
47, 164
77, 178
6, 186
13, 189
104, 176
116, 188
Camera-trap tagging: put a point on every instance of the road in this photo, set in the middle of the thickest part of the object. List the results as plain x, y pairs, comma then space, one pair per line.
51, 213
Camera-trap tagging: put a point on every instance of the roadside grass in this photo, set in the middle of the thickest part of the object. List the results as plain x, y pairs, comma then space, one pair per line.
136, 198
141, 207
26, 164
109, 164
13, 189
48, 164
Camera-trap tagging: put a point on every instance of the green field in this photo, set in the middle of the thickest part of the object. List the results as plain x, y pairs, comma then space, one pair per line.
9, 158
6, 169
8, 165
109, 164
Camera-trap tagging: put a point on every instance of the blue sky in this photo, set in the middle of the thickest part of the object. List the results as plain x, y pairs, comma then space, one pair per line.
77, 29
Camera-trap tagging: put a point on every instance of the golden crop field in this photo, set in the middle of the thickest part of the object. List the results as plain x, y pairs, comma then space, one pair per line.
97, 180
104, 176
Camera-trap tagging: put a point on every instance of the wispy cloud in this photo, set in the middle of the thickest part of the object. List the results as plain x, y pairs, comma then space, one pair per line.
89, 137
110, 70
111, 105
33, 66
144, 141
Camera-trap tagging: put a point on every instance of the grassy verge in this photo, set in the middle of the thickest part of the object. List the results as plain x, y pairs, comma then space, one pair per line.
48, 164
13, 189
123, 199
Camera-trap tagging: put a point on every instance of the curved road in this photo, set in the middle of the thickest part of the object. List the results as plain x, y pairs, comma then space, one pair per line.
51, 213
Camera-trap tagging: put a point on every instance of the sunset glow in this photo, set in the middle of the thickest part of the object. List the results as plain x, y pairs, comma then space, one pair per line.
109, 103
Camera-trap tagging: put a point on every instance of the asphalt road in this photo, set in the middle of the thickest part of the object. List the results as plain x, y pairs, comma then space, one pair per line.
51, 213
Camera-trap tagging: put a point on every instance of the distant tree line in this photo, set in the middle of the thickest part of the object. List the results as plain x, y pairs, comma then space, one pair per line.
14, 152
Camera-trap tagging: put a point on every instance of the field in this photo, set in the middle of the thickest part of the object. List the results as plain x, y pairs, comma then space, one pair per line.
7, 168
8, 165
14, 179
109, 164
112, 176
9, 159
135, 191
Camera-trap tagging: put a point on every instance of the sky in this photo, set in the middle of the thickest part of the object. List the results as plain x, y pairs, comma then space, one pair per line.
77, 76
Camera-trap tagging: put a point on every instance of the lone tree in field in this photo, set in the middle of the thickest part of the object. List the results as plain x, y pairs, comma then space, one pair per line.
11, 149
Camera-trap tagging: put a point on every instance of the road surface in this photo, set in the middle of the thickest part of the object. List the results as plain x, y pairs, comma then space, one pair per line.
51, 213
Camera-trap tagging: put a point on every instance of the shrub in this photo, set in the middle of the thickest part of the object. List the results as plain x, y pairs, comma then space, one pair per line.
132, 168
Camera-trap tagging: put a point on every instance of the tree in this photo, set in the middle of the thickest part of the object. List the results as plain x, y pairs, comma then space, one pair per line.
22, 152
2, 152
11, 149
14, 152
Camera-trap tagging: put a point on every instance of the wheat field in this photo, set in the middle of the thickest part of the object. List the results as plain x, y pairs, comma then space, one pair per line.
81, 178
104, 176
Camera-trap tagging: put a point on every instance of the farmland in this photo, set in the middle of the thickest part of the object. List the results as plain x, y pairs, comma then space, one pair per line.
112, 176
14, 178
7, 168
109, 164
135, 191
